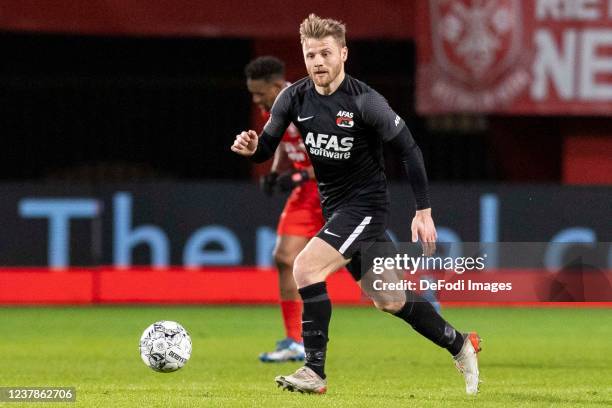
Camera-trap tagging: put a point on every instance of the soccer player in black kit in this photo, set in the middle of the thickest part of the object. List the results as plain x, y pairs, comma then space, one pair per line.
344, 123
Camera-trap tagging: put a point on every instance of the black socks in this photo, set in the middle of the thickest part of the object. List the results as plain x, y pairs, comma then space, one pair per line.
423, 318
417, 312
315, 325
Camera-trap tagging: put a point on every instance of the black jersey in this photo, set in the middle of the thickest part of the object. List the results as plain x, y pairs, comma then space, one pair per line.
343, 134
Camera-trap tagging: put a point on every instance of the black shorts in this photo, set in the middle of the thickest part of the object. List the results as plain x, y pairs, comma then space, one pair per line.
352, 230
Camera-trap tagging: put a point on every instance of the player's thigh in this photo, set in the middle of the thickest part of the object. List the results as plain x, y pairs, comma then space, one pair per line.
350, 231
317, 261
382, 287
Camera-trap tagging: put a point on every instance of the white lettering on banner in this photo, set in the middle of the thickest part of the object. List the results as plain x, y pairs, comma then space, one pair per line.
550, 62
577, 10
593, 65
572, 67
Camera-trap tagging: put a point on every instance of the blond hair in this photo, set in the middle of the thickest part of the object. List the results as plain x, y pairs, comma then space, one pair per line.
316, 27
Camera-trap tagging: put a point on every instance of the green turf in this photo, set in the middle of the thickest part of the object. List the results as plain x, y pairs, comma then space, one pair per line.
531, 357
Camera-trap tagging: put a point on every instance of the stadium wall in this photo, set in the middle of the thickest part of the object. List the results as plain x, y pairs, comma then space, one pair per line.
383, 19
233, 223
211, 242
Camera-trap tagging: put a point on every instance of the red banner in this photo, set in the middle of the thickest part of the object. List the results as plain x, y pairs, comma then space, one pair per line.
241, 285
43, 286
248, 19
515, 56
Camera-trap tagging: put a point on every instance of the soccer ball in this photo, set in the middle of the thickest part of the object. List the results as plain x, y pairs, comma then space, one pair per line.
165, 346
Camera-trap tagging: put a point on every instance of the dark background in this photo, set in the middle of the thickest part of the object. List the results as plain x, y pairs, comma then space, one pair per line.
108, 108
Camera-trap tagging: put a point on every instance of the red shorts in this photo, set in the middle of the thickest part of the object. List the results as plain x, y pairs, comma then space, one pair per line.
302, 215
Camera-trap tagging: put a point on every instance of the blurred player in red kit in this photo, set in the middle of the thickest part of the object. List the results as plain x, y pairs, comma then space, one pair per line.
301, 218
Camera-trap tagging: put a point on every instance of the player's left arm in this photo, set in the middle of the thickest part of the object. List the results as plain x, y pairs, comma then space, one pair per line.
411, 157
392, 129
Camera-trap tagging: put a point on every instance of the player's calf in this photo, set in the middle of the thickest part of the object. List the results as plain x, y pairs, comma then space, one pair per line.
315, 325
424, 318
388, 306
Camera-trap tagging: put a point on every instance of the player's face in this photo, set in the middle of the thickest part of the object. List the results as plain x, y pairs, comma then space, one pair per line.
324, 59
264, 92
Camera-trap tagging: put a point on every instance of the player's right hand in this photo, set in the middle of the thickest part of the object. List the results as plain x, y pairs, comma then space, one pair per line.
268, 183
245, 143
424, 230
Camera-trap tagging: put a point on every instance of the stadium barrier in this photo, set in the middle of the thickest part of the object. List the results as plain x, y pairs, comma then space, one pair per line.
206, 224
199, 244
244, 285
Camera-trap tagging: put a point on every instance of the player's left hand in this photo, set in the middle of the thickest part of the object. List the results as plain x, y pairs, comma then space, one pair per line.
268, 182
424, 230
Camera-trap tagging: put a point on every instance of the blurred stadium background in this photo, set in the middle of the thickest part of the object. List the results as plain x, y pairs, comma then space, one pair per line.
118, 185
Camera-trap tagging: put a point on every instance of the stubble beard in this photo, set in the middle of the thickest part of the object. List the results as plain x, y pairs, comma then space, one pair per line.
330, 76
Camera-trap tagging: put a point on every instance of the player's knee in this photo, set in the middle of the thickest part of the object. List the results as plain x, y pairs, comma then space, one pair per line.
388, 305
304, 271
283, 259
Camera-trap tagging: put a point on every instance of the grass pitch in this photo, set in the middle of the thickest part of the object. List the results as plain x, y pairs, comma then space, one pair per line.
531, 357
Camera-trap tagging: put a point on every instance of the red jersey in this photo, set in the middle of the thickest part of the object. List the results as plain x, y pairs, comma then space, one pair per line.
294, 146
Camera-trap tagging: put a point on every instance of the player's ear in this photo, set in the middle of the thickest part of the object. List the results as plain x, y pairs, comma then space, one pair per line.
344, 53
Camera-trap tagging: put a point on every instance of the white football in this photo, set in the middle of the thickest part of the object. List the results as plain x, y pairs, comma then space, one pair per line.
165, 346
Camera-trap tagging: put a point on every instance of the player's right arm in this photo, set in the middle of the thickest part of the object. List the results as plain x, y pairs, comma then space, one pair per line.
261, 148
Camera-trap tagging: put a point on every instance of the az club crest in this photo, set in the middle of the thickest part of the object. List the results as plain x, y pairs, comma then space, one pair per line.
345, 119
